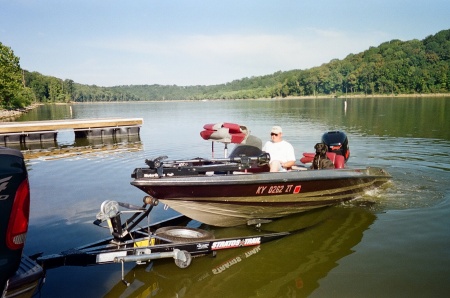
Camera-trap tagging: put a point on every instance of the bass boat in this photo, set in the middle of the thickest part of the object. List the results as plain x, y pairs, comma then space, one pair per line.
239, 189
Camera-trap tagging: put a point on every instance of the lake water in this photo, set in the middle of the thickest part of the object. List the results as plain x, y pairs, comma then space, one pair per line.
393, 242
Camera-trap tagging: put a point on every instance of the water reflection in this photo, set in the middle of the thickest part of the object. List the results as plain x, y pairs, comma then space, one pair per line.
290, 267
80, 146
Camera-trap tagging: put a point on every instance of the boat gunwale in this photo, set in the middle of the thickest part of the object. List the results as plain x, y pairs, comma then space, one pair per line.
265, 177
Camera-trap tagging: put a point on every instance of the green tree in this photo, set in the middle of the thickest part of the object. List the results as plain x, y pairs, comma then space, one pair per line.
13, 93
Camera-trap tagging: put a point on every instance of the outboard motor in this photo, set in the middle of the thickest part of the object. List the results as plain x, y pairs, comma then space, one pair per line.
337, 142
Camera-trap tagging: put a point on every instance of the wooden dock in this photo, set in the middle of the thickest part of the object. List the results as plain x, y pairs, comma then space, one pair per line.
39, 131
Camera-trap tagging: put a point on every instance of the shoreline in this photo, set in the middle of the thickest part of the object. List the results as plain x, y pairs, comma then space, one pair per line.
11, 115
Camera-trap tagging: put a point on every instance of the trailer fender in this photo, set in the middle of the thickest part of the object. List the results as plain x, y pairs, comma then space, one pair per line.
183, 234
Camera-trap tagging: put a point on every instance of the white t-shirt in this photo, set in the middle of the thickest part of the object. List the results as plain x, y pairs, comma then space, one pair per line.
281, 151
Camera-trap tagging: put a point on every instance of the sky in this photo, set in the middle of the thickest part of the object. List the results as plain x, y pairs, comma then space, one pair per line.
184, 43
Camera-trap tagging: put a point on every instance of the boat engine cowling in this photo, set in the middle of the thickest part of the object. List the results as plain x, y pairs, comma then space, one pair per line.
337, 142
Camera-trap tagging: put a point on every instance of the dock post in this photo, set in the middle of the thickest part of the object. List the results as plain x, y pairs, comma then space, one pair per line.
39, 136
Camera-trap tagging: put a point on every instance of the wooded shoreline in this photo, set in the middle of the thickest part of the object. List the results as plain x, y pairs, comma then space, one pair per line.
393, 69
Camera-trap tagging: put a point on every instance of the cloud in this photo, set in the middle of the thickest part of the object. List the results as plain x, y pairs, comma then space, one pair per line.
213, 59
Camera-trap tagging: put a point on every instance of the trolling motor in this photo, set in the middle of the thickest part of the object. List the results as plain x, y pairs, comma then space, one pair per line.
157, 168
157, 164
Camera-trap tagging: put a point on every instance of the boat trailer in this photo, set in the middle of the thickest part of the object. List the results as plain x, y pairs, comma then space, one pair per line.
170, 238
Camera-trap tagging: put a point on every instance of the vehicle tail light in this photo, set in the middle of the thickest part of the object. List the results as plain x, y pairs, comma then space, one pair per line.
18, 221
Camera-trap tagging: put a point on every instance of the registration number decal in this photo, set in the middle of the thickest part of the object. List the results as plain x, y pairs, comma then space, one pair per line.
278, 189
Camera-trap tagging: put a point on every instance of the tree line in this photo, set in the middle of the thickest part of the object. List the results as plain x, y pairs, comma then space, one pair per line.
394, 67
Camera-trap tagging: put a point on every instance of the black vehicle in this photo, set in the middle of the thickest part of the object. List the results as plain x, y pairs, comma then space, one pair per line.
14, 216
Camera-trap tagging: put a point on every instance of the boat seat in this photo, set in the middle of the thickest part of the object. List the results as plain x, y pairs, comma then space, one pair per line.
245, 150
331, 156
252, 147
339, 162
307, 157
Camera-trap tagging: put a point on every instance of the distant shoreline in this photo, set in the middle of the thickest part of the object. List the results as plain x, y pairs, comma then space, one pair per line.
12, 114
372, 96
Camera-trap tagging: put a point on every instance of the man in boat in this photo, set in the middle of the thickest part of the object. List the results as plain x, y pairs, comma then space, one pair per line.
282, 156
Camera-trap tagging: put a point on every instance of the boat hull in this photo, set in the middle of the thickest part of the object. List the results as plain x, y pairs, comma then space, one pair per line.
230, 200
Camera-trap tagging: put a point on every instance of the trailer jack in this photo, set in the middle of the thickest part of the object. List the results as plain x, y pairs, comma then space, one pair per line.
182, 259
